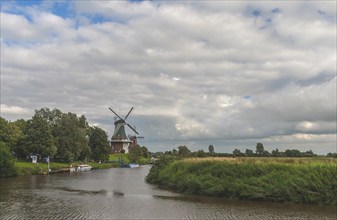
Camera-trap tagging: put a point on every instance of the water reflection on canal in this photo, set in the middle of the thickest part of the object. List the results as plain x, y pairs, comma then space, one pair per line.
122, 193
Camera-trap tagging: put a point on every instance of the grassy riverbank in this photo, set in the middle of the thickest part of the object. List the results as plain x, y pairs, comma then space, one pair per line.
298, 180
28, 168
116, 157
125, 157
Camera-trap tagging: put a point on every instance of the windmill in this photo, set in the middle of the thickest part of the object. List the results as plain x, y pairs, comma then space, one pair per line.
119, 140
133, 139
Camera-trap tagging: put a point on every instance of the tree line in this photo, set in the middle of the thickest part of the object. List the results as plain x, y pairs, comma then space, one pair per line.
65, 137
184, 151
261, 152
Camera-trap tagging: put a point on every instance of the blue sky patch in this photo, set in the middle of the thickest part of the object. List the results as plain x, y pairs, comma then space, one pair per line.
135, 1
321, 12
256, 13
326, 16
98, 19
28, 3
276, 10
62, 9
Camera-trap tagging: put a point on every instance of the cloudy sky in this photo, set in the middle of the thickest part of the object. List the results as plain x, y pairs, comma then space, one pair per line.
226, 73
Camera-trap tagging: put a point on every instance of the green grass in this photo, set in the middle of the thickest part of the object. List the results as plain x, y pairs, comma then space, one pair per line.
115, 157
143, 161
298, 180
25, 168
125, 157
95, 165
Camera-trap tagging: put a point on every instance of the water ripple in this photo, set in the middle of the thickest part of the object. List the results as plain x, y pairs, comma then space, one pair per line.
123, 194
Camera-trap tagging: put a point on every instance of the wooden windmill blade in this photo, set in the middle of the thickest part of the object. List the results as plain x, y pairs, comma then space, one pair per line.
117, 115
128, 114
132, 128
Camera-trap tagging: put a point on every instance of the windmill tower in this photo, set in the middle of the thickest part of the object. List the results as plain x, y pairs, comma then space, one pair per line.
119, 140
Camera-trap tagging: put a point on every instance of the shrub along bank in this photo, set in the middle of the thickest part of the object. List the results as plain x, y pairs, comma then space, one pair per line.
285, 180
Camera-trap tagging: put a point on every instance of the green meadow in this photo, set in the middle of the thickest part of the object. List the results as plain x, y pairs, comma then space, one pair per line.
115, 157
126, 159
296, 180
26, 168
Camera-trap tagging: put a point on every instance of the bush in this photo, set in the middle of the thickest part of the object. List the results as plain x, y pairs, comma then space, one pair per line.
6, 161
298, 181
142, 161
153, 175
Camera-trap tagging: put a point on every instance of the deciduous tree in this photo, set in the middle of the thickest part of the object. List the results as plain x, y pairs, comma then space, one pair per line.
71, 138
259, 148
211, 149
39, 139
183, 151
99, 144
145, 152
237, 153
9, 133
201, 153
249, 152
135, 153
6, 161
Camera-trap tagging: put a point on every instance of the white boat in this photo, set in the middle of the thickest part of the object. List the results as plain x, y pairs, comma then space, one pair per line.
133, 165
83, 167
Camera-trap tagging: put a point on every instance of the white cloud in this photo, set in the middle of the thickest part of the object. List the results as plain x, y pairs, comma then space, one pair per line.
316, 127
13, 110
193, 70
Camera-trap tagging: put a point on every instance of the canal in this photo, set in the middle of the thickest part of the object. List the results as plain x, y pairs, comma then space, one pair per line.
121, 193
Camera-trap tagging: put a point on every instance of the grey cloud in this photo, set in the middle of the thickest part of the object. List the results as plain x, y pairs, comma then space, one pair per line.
196, 72
317, 79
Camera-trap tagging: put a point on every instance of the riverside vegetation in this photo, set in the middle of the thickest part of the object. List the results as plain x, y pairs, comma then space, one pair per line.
297, 180
65, 138
27, 168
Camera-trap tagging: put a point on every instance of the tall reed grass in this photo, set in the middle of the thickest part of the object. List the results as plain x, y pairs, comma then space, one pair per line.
310, 181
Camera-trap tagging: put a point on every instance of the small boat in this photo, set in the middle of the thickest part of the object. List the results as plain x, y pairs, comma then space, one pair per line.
43, 172
133, 165
118, 193
83, 167
72, 169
